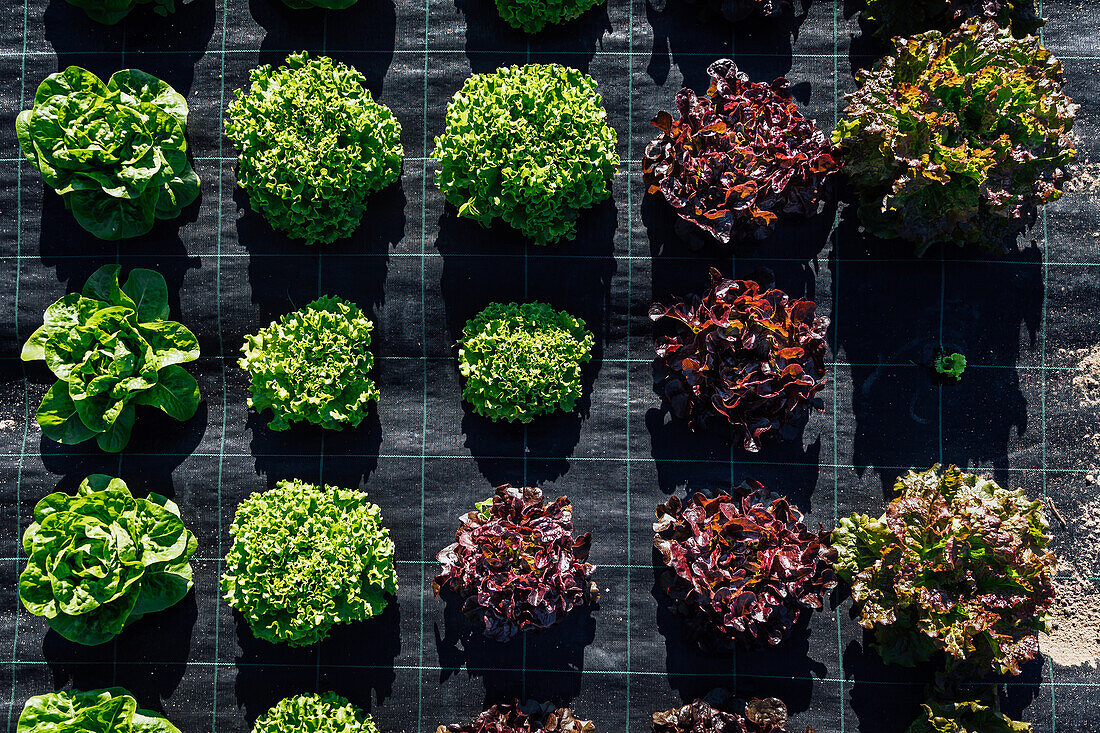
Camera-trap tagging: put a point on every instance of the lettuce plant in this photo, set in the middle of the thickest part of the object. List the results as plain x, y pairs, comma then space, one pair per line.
958, 138
116, 152
100, 560
311, 713
523, 361
529, 145
949, 367
758, 716
750, 360
110, 12
970, 716
531, 16
305, 558
313, 145
516, 565
956, 565
112, 348
525, 718
740, 570
738, 157
890, 18
313, 365
110, 710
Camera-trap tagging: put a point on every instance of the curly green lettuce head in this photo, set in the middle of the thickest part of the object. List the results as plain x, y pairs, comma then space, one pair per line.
102, 559
890, 18
115, 153
306, 558
110, 710
523, 361
531, 16
958, 138
956, 565
324, 713
112, 348
313, 145
313, 365
529, 145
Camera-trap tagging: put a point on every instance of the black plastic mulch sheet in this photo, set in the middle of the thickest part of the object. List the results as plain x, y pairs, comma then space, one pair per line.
425, 459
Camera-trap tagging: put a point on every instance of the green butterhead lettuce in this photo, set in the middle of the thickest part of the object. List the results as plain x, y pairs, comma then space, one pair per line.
116, 153
305, 558
313, 365
324, 713
313, 146
112, 348
110, 710
529, 145
523, 361
100, 560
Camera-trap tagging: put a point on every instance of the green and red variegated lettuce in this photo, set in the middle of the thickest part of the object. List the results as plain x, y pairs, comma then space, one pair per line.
890, 18
956, 565
526, 718
751, 361
516, 564
112, 348
115, 153
969, 716
701, 716
958, 138
102, 559
740, 571
739, 157
110, 710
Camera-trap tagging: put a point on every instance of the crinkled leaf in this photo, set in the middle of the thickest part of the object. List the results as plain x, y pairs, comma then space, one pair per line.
324, 713
516, 565
526, 718
313, 145
110, 710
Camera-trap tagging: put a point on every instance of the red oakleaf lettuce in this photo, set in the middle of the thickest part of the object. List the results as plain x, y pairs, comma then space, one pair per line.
957, 565
750, 359
516, 564
758, 716
516, 718
739, 570
739, 157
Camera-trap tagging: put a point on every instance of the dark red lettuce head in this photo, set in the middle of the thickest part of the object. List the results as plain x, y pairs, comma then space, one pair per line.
740, 571
749, 360
516, 564
738, 158
701, 716
525, 718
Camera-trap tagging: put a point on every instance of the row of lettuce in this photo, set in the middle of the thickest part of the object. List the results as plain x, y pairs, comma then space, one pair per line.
953, 137
955, 572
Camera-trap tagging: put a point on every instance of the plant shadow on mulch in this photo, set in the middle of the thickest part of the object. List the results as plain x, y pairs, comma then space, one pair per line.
368, 24
892, 311
556, 654
142, 36
492, 43
497, 265
692, 37
151, 654
785, 671
355, 661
